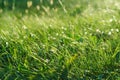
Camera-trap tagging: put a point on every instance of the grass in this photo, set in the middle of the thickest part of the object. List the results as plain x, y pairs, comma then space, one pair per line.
82, 44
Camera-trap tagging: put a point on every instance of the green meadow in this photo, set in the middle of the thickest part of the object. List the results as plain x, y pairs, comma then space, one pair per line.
72, 40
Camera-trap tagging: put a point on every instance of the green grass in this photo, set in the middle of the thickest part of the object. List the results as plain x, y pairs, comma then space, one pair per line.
82, 44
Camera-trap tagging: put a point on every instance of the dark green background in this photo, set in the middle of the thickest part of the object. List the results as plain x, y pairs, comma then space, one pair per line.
22, 4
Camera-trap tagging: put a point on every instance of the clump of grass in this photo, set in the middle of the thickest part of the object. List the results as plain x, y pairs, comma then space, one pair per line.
63, 47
